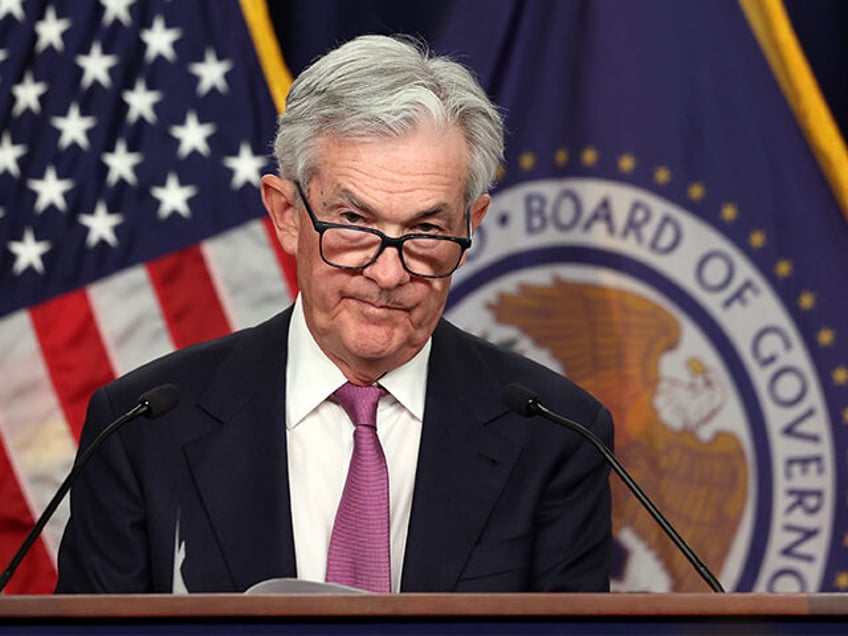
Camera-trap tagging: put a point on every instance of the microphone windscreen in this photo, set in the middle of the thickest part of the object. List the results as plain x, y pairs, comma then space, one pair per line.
519, 399
160, 399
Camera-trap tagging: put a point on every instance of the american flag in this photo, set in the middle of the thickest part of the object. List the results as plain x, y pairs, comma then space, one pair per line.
133, 134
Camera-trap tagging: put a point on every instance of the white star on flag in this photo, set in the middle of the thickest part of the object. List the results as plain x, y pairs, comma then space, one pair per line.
96, 66
50, 190
50, 30
160, 40
9, 155
28, 253
14, 7
27, 94
121, 163
192, 136
211, 73
101, 226
117, 10
246, 167
73, 127
173, 197
141, 101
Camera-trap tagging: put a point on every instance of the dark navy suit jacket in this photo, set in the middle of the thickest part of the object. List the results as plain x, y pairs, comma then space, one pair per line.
501, 503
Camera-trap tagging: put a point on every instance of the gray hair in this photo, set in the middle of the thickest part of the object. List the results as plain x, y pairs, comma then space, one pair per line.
378, 87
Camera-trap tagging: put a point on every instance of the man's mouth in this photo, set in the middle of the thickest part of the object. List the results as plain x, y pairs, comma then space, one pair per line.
382, 306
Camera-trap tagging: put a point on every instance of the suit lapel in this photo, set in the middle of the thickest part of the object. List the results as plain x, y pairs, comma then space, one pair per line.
240, 468
462, 467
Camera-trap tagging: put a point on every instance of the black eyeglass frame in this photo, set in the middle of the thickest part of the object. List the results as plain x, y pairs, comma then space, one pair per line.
385, 241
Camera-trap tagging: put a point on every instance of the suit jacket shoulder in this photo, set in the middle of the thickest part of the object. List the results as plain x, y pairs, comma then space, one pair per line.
481, 367
238, 360
198, 497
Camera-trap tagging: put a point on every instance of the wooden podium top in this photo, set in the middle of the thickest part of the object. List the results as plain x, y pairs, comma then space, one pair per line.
416, 614
370, 606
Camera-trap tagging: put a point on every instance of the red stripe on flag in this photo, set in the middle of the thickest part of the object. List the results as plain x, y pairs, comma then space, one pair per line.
36, 574
190, 304
287, 262
73, 352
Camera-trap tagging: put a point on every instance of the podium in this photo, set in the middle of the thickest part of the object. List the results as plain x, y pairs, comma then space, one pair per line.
212, 614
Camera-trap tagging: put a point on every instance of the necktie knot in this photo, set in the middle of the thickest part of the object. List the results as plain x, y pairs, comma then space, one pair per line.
360, 402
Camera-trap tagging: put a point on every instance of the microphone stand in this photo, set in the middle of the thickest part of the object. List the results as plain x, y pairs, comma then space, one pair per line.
151, 404
534, 406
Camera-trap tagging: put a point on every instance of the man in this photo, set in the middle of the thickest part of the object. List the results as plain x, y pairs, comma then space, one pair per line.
385, 156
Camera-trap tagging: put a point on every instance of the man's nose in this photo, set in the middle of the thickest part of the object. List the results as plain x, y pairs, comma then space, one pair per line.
388, 271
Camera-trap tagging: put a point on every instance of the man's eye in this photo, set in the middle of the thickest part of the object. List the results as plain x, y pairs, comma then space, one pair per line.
349, 216
428, 228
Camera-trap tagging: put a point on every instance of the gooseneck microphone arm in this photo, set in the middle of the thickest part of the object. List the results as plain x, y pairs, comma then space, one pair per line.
152, 403
523, 401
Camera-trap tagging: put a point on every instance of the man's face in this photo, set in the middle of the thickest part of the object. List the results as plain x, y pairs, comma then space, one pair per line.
373, 320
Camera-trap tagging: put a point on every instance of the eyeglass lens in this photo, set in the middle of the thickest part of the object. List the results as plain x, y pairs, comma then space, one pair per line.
422, 256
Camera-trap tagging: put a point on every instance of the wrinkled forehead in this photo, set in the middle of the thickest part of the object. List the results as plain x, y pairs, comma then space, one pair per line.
451, 139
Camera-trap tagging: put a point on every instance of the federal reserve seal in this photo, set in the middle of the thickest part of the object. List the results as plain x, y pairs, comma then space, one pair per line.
719, 409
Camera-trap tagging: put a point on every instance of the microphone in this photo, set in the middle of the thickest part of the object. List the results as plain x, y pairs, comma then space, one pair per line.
523, 401
152, 403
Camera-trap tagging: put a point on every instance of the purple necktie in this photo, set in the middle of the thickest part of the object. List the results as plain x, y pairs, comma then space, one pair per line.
359, 546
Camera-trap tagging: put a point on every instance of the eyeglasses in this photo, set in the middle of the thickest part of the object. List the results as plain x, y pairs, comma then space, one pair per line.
352, 247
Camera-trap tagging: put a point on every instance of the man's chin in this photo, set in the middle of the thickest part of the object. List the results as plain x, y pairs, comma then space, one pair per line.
373, 343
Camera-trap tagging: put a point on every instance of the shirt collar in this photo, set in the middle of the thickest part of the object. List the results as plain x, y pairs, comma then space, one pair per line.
311, 377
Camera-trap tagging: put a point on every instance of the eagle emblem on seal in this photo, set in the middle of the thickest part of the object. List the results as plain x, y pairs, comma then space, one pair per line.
610, 341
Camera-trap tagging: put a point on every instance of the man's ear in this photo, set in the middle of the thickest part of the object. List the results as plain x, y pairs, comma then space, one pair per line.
479, 209
279, 197
477, 212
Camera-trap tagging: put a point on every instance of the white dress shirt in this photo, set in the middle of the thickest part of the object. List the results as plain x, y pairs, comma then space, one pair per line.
320, 443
